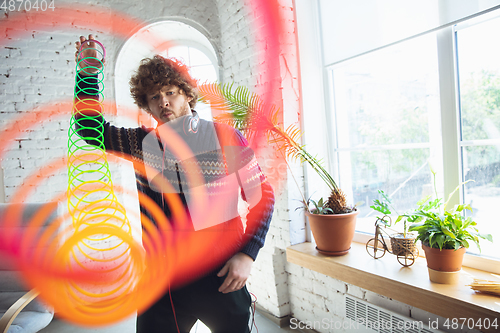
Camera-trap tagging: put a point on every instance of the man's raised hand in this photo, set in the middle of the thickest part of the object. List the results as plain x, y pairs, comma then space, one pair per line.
90, 65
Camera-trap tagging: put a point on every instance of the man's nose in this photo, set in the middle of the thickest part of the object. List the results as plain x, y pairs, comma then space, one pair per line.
164, 100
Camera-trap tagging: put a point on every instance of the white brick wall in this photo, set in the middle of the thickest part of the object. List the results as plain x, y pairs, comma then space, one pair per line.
37, 69
34, 73
237, 43
240, 43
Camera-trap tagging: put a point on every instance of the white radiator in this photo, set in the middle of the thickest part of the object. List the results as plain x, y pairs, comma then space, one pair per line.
372, 318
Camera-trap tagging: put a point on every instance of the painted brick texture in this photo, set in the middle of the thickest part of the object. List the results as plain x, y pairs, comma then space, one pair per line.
37, 69
243, 54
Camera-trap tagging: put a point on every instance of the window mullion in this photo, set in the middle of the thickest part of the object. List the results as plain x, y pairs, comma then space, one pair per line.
449, 113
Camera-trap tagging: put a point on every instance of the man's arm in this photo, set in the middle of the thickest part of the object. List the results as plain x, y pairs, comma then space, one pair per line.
258, 219
89, 123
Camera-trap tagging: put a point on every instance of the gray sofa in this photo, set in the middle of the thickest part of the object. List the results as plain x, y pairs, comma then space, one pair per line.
19, 310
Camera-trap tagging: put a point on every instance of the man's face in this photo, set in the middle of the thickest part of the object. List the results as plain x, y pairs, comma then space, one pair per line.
169, 103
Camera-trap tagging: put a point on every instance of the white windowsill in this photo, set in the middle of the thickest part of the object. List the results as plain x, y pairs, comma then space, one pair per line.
470, 260
410, 285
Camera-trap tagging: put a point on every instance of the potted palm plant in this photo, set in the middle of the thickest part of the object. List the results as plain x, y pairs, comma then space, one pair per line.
332, 220
445, 234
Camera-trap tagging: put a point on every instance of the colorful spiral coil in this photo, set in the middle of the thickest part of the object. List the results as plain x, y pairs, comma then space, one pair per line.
101, 241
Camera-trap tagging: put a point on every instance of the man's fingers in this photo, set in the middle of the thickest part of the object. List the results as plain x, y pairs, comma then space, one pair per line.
224, 270
229, 288
225, 284
231, 285
91, 37
86, 48
83, 39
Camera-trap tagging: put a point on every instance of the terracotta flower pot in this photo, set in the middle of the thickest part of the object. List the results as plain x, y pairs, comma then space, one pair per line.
444, 260
444, 265
333, 233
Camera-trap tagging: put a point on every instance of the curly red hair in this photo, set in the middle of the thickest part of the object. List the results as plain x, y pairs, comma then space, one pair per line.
157, 72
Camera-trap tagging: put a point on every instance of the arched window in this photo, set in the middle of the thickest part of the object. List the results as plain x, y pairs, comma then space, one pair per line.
176, 39
201, 67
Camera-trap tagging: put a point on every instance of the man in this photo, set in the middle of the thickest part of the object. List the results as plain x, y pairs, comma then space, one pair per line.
165, 90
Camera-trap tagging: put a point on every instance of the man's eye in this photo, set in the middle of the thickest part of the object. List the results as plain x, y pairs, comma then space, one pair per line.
154, 97
170, 92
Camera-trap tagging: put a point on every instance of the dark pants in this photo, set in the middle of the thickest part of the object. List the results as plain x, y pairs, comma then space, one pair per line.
222, 313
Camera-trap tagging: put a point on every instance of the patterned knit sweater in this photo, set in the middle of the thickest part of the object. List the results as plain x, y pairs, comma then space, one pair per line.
219, 156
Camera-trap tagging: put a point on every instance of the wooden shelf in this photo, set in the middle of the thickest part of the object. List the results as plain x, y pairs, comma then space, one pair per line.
409, 285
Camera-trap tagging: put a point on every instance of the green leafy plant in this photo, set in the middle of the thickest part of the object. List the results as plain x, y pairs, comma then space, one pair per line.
320, 207
439, 227
384, 206
248, 113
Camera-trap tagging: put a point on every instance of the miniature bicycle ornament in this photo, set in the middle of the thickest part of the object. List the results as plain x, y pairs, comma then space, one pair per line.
402, 246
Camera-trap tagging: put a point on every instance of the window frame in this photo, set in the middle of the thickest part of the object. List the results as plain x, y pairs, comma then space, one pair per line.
446, 38
202, 48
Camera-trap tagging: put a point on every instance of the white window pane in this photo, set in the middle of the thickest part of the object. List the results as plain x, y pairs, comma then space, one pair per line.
387, 125
181, 53
204, 73
482, 164
479, 76
479, 72
386, 97
403, 174
204, 111
198, 58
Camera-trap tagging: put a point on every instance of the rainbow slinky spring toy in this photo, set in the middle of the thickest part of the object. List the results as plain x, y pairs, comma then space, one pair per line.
99, 245
86, 264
